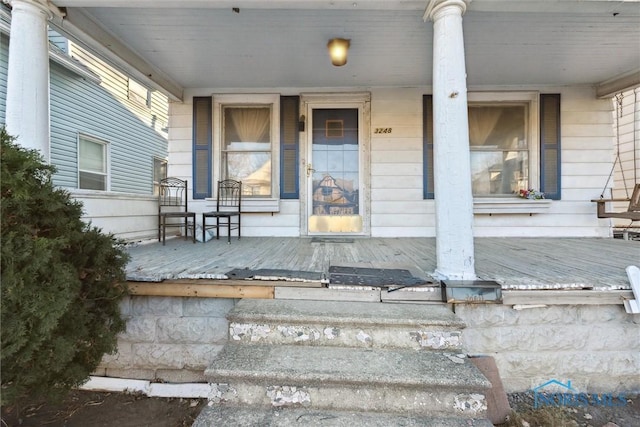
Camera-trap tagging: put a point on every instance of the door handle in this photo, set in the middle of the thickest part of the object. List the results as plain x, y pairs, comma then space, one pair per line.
310, 170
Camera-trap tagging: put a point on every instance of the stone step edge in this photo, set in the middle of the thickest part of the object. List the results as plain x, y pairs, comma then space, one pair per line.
322, 320
232, 416
344, 313
346, 336
236, 362
219, 376
397, 400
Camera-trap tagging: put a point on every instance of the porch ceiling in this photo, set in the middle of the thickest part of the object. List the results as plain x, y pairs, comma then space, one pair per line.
282, 44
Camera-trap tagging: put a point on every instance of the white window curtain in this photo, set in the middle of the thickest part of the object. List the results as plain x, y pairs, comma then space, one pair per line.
482, 122
251, 124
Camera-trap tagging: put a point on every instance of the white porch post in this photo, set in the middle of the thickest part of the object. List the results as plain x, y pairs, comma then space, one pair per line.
27, 108
452, 169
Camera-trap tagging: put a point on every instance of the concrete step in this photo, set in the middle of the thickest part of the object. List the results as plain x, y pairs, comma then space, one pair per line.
233, 416
421, 383
346, 324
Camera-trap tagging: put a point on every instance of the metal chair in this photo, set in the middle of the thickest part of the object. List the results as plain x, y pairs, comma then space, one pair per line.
172, 206
227, 207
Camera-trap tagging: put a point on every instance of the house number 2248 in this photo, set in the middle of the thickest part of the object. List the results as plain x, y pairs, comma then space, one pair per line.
382, 130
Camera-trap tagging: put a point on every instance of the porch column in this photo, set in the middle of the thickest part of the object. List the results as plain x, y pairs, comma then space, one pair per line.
452, 169
27, 107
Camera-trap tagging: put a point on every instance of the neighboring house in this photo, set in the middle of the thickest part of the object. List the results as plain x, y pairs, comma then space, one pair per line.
108, 136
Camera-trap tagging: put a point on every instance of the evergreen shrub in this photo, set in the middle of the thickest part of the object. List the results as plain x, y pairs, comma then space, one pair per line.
62, 282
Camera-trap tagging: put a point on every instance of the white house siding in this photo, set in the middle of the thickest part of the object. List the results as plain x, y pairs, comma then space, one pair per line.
397, 205
131, 217
4, 62
627, 128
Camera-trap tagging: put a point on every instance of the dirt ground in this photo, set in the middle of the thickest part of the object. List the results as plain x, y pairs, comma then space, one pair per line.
578, 416
98, 409
95, 409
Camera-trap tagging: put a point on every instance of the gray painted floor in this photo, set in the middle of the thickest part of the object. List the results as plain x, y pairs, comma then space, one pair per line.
516, 263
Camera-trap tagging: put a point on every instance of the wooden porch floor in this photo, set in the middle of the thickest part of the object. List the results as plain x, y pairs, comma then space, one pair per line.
515, 263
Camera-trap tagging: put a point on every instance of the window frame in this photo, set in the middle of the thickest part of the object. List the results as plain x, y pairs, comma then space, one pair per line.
156, 180
531, 102
271, 101
531, 98
134, 94
106, 149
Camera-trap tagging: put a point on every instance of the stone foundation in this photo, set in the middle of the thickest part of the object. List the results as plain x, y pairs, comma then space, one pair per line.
170, 339
596, 347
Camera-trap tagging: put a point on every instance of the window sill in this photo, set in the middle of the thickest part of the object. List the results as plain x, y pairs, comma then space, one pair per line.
510, 206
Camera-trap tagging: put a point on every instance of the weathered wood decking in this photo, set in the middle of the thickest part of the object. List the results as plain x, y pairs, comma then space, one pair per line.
516, 263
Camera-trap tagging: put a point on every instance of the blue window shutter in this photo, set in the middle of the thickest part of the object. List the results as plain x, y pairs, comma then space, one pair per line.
427, 147
289, 147
202, 147
550, 146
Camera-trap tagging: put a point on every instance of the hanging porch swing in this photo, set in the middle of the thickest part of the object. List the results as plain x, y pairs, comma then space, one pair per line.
633, 210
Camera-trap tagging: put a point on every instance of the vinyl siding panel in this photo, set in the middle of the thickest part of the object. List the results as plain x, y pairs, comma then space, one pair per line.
155, 116
79, 106
4, 57
396, 165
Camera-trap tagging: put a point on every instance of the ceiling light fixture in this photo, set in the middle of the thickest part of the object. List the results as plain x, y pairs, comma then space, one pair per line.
338, 51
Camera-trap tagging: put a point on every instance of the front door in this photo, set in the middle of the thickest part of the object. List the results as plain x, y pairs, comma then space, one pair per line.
334, 177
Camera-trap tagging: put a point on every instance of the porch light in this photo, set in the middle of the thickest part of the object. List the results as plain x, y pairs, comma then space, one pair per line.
338, 51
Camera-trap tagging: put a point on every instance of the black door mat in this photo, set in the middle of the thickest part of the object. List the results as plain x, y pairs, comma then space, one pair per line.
274, 274
375, 277
331, 240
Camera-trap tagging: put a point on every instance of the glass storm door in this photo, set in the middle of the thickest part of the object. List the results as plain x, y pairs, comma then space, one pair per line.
333, 172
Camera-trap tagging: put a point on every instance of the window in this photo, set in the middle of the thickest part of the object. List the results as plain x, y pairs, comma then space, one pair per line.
246, 145
139, 94
246, 148
499, 149
159, 172
509, 151
269, 164
92, 163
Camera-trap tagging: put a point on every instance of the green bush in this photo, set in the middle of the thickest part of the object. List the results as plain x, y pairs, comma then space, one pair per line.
62, 282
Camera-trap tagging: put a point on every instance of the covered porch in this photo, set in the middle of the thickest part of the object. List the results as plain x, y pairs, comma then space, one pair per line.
561, 301
414, 68
529, 270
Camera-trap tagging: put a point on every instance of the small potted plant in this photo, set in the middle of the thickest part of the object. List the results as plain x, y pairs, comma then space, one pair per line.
531, 194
